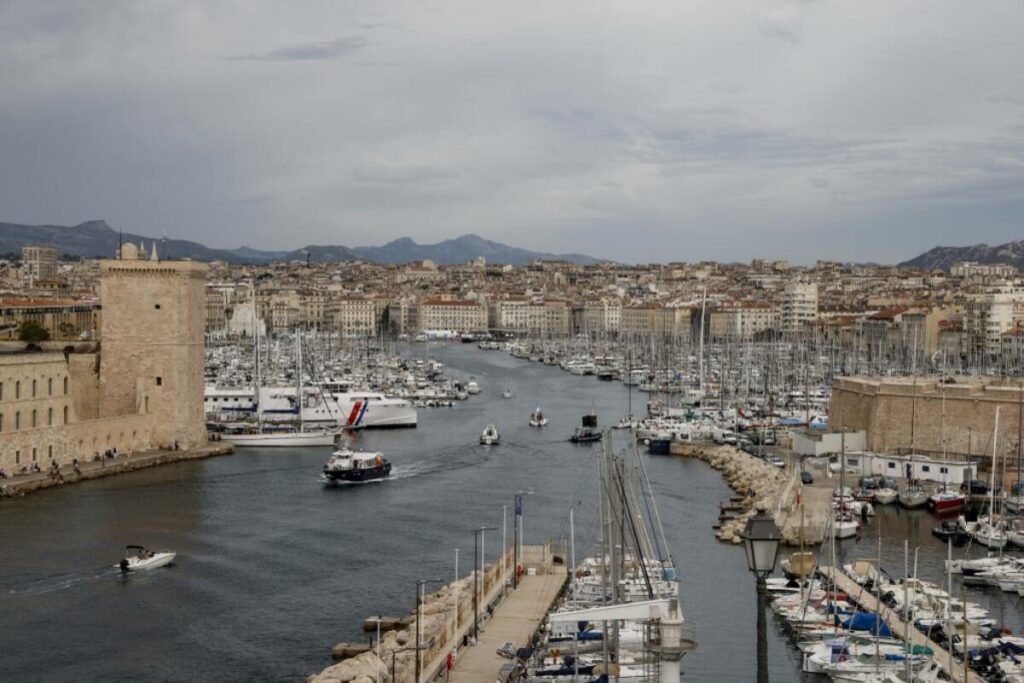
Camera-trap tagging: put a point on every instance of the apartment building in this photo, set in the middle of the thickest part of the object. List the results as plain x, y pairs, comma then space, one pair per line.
452, 314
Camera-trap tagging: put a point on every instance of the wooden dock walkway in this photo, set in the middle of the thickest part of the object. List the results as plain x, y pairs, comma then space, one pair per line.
514, 621
865, 599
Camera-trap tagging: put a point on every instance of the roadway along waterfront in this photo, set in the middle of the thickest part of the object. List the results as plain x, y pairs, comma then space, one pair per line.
274, 568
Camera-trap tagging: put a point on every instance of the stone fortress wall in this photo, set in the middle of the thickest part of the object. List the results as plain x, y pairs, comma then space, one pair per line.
956, 418
142, 390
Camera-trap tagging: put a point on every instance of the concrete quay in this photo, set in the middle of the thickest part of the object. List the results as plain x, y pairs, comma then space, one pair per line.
505, 615
23, 484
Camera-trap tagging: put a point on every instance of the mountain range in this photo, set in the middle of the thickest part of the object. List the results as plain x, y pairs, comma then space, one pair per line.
97, 239
942, 258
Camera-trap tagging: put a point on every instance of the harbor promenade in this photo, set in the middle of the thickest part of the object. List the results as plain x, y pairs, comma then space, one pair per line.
514, 621
26, 483
866, 600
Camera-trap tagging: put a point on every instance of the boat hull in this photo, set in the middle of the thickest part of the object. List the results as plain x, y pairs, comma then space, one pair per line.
357, 475
280, 440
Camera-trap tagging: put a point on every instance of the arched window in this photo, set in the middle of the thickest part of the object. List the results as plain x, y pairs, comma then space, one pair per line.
65, 414
17, 420
33, 388
65, 386
49, 416
49, 386
17, 389
33, 417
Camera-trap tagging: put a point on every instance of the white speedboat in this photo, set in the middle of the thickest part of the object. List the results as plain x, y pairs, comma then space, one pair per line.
537, 418
139, 559
281, 439
846, 526
472, 387
490, 436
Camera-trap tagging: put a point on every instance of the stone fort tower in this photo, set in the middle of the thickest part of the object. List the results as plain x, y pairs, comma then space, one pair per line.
152, 344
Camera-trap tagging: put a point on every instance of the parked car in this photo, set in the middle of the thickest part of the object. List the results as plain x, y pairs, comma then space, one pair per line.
976, 487
773, 459
806, 478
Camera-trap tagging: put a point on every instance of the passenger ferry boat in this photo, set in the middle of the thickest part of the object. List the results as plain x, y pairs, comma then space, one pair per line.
352, 466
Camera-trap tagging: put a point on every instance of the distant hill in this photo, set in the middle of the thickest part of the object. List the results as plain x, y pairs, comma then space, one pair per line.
944, 257
460, 250
97, 239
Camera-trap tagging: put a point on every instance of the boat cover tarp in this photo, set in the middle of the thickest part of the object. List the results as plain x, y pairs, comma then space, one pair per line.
867, 621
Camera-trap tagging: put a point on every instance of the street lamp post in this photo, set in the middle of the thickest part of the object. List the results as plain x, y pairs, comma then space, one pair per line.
761, 539
419, 605
478, 577
518, 533
395, 652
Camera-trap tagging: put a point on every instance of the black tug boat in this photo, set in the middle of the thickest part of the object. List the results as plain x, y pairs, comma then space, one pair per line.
346, 465
588, 431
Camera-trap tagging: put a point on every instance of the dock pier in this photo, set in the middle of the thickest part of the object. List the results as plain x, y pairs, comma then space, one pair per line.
505, 615
857, 593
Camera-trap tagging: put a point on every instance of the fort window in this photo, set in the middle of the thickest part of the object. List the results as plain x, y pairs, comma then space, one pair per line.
49, 386
1, 391
156, 306
159, 381
1, 422
17, 420
33, 455
17, 389
33, 417
65, 386
49, 451
49, 416
33, 388
17, 457
65, 414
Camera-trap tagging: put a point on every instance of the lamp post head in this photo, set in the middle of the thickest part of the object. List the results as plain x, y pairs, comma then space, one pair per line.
761, 538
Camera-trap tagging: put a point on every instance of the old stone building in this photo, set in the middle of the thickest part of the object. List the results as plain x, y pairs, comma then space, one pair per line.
927, 416
143, 390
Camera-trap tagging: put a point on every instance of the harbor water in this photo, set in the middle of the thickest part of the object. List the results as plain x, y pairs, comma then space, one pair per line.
274, 567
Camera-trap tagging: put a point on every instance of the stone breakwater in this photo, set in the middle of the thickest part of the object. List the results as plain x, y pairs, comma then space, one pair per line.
762, 486
446, 618
23, 484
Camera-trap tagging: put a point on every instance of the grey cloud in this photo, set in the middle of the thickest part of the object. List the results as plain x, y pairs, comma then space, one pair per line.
322, 50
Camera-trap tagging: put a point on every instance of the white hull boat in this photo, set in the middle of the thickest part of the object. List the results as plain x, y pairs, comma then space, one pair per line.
281, 439
144, 560
490, 436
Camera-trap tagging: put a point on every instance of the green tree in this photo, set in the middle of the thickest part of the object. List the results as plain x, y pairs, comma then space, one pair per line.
31, 331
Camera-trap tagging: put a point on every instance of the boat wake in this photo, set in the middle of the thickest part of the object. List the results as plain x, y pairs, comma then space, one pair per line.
60, 582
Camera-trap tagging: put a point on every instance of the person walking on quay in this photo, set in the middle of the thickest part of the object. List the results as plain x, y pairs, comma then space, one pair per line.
76, 467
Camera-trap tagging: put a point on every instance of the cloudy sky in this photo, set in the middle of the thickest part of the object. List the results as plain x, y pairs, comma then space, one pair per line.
681, 129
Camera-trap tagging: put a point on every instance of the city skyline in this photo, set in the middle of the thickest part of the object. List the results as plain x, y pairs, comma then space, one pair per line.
798, 130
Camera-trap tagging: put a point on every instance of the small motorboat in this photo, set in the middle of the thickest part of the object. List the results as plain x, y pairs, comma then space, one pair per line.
588, 431
950, 529
537, 418
472, 387
490, 436
507, 393
846, 525
946, 502
347, 465
137, 559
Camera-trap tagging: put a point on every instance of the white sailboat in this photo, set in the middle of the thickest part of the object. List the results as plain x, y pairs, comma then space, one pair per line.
281, 438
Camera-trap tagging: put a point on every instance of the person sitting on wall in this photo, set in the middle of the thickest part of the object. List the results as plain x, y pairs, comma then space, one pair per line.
3, 475
75, 466
35, 468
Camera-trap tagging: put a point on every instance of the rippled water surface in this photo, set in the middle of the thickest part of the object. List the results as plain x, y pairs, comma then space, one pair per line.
274, 567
